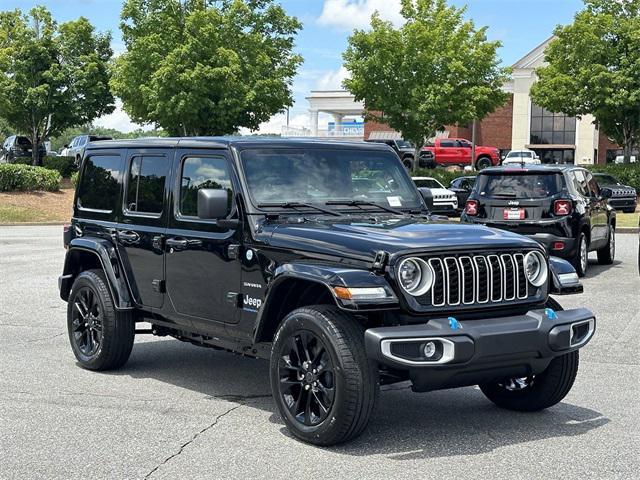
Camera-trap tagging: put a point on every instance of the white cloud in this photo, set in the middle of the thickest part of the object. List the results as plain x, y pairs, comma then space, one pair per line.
332, 80
119, 120
351, 14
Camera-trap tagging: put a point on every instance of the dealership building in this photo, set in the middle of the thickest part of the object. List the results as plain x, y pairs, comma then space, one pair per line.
517, 125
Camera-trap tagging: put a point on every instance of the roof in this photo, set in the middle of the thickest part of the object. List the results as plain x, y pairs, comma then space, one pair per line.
528, 167
228, 142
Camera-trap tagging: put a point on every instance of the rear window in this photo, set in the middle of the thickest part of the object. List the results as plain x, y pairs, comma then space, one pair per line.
521, 185
145, 191
98, 187
428, 183
23, 141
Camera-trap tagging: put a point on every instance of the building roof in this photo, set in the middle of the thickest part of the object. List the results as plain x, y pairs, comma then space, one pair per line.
535, 57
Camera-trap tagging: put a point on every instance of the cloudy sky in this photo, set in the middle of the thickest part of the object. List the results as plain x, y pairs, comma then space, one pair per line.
520, 24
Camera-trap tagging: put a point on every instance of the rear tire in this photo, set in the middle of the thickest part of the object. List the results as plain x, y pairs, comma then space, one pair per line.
338, 402
101, 337
482, 163
408, 163
580, 259
607, 254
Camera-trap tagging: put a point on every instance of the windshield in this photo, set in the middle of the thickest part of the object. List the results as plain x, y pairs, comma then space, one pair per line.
404, 144
317, 176
427, 183
522, 185
23, 141
606, 180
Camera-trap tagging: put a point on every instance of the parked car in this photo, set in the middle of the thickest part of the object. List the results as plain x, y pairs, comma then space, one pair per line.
562, 207
439, 199
457, 151
261, 247
620, 159
17, 146
623, 197
462, 187
405, 150
79, 144
519, 157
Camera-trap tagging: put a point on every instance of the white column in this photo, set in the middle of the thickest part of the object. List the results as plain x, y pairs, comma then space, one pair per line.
313, 120
338, 117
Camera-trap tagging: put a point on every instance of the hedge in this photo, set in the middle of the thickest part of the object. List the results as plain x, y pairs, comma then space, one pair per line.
74, 179
28, 178
442, 175
65, 166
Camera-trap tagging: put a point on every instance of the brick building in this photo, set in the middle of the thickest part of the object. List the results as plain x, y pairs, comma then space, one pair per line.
521, 124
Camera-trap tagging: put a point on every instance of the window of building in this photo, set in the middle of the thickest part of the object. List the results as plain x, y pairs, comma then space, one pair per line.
145, 187
198, 173
556, 155
98, 187
551, 128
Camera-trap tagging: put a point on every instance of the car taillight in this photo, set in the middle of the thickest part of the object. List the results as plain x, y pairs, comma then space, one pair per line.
562, 207
471, 208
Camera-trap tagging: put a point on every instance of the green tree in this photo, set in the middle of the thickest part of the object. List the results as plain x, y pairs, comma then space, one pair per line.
436, 69
593, 67
51, 76
5, 129
203, 67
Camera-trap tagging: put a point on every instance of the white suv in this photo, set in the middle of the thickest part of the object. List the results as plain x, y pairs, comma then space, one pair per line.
444, 200
522, 156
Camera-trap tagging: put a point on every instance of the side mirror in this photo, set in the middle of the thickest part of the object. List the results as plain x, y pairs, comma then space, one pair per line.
606, 193
427, 196
213, 203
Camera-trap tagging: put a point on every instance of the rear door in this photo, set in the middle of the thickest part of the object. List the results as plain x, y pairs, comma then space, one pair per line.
599, 210
140, 233
447, 152
202, 264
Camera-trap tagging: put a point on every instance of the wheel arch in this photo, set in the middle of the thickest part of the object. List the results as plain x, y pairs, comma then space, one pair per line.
87, 254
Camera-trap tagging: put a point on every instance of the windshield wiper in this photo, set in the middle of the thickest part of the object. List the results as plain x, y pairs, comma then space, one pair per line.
295, 205
359, 203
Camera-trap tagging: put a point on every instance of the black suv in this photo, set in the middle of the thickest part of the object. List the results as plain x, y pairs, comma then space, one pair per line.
562, 207
17, 146
277, 249
623, 197
406, 151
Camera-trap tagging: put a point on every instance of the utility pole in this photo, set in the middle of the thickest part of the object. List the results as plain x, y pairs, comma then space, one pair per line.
473, 144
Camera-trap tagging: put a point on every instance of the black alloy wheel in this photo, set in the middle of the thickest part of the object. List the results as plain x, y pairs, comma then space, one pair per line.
306, 375
87, 318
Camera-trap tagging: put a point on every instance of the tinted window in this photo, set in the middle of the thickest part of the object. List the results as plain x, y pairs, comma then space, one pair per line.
551, 128
322, 175
404, 144
145, 189
580, 182
528, 185
606, 180
200, 173
594, 188
447, 143
428, 183
23, 141
463, 144
98, 187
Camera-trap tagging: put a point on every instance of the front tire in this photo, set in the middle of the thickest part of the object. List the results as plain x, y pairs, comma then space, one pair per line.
607, 254
482, 163
324, 385
536, 392
101, 337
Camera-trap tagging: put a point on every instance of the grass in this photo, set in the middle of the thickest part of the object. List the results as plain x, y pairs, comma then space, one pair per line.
627, 220
35, 207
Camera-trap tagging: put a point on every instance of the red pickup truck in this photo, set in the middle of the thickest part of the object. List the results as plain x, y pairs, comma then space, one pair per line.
457, 151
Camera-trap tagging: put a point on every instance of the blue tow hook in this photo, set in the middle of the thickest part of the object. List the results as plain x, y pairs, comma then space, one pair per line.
551, 314
454, 324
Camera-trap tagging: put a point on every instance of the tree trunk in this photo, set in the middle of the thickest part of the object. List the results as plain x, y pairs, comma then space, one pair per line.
35, 143
629, 143
416, 157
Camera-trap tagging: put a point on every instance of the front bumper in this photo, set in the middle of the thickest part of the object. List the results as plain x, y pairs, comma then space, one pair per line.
620, 203
480, 350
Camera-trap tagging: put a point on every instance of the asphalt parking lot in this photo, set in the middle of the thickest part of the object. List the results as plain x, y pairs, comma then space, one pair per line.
180, 411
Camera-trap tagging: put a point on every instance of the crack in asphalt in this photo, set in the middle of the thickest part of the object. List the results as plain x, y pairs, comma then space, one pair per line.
191, 440
36, 340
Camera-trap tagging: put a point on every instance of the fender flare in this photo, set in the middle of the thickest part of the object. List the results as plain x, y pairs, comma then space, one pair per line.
564, 279
107, 256
326, 276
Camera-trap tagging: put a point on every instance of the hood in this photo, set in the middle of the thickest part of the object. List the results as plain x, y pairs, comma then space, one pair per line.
363, 238
442, 192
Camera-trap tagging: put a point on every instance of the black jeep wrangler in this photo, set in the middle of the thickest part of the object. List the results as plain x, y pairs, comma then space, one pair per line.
271, 248
560, 206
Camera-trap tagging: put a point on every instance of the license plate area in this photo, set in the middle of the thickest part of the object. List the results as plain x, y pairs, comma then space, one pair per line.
513, 214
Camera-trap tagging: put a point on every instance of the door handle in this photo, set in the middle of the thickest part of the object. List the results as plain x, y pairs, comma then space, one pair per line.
127, 236
176, 242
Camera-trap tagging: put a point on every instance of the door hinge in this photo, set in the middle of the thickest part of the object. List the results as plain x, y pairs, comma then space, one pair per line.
233, 251
234, 298
158, 286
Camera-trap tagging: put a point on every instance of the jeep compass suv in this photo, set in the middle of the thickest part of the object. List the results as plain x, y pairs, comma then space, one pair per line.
278, 249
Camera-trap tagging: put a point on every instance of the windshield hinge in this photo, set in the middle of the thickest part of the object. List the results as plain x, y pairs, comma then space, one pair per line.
380, 261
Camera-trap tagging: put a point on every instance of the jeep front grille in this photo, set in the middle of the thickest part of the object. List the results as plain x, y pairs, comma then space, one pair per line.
477, 280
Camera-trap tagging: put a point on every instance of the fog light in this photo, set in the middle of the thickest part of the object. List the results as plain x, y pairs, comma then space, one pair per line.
430, 349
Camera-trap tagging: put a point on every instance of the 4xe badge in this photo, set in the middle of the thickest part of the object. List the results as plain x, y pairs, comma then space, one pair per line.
251, 303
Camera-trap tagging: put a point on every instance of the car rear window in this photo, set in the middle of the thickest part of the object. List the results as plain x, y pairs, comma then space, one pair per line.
99, 187
519, 185
23, 141
427, 183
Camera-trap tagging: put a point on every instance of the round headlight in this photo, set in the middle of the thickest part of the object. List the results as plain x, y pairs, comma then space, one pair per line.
535, 268
415, 276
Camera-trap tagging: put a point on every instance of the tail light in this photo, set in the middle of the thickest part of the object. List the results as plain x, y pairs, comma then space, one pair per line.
471, 208
562, 207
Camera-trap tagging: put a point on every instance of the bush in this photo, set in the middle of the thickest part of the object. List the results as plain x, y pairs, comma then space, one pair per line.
63, 165
74, 179
628, 174
442, 175
28, 178
22, 161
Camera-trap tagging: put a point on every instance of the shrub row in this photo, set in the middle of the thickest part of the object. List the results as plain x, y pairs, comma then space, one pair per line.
442, 175
63, 165
28, 178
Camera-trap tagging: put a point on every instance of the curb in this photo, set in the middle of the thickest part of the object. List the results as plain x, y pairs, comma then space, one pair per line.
33, 224
627, 230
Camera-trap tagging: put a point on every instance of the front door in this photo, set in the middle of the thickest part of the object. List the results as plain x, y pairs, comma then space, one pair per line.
599, 218
144, 217
203, 272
